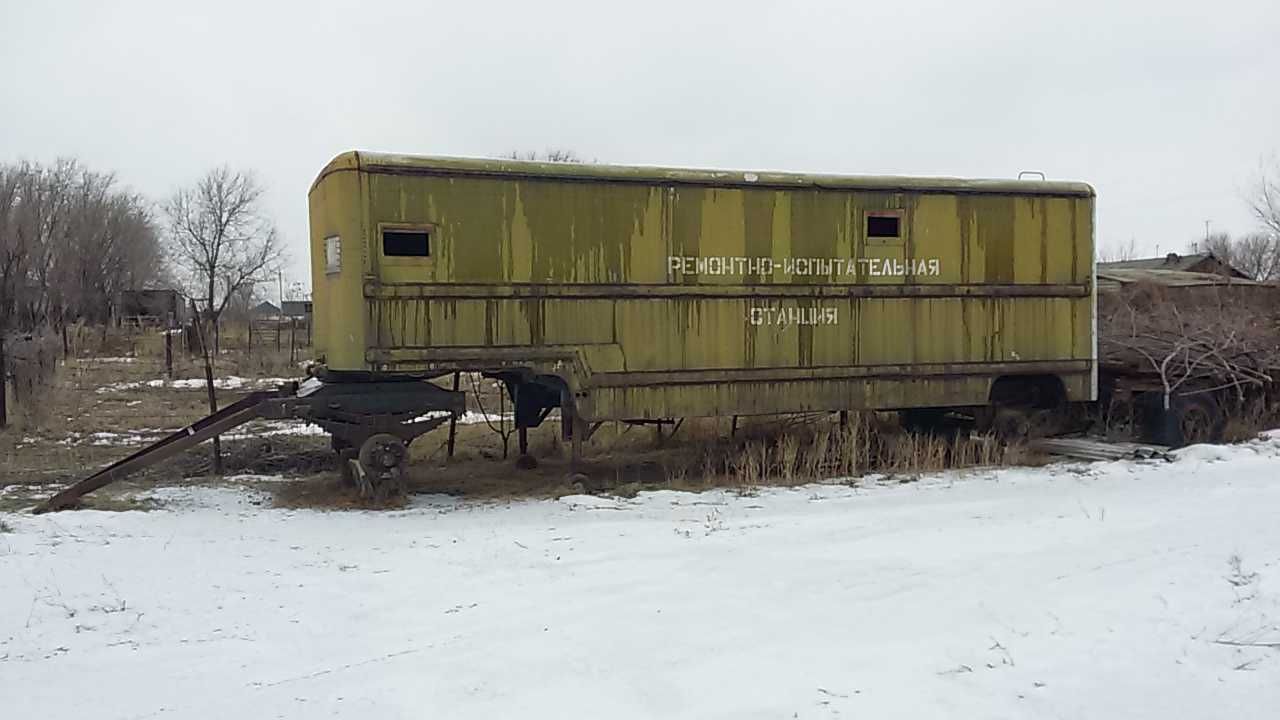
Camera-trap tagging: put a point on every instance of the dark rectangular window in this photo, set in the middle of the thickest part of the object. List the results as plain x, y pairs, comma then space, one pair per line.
406, 243
883, 226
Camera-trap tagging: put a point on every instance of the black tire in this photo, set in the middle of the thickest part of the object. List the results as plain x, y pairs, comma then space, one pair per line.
1190, 419
1199, 420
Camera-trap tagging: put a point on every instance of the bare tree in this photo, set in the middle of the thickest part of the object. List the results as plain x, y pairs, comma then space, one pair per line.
13, 261
1115, 253
222, 243
70, 242
221, 240
1219, 244
107, 244
1256, 255
1264, 201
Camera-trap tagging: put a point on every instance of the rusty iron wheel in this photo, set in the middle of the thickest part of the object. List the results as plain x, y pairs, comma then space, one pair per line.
382, 452
382, 457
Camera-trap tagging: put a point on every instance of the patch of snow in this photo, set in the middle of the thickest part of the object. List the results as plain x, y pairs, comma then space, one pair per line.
104, 438
592, 502
229, 382
29, 490
220, 498
110, 438
250, 478
1127, 589
470, 417
274, 427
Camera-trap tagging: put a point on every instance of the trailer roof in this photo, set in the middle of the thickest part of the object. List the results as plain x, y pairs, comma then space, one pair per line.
1115, 277
434, 165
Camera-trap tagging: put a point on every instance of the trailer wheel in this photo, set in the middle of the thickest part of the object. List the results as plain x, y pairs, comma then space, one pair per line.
1019, 424
1189, 419
382, 458
1199, 419
1011, 424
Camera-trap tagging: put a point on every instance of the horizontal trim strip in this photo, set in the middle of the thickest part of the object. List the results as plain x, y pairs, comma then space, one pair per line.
479, 358
433, 291
701, 377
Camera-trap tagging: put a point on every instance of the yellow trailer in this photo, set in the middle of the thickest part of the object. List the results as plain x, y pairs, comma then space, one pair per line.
645, 293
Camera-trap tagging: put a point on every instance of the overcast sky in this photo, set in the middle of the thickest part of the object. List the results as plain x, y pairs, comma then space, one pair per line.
1166, 107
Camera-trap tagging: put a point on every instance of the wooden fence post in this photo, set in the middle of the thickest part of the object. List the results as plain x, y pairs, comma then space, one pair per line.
168, 351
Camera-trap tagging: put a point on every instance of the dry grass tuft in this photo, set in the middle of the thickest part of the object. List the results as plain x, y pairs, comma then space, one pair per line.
1248, 422
788, 453
328, 493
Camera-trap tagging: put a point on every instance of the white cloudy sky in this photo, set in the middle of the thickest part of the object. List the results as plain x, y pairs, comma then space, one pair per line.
1167, 107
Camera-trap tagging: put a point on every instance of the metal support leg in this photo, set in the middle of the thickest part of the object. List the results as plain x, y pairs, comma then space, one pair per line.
575, 447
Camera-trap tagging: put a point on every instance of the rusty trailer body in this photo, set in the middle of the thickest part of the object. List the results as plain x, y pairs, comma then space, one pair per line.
647, 293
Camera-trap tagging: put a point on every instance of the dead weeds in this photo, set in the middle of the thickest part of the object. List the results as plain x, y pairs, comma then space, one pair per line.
328, 492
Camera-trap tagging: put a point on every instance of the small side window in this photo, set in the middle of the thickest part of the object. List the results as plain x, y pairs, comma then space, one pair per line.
884, 226
406, 243
332, 254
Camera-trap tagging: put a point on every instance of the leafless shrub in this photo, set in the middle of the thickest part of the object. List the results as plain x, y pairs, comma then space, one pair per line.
1202, 344
499, 424
34, 368
1248, 421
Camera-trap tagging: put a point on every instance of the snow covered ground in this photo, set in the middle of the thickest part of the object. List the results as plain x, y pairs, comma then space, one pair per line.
1072, 591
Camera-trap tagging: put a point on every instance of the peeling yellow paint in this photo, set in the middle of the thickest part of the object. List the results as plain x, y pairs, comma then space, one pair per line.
529, 262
